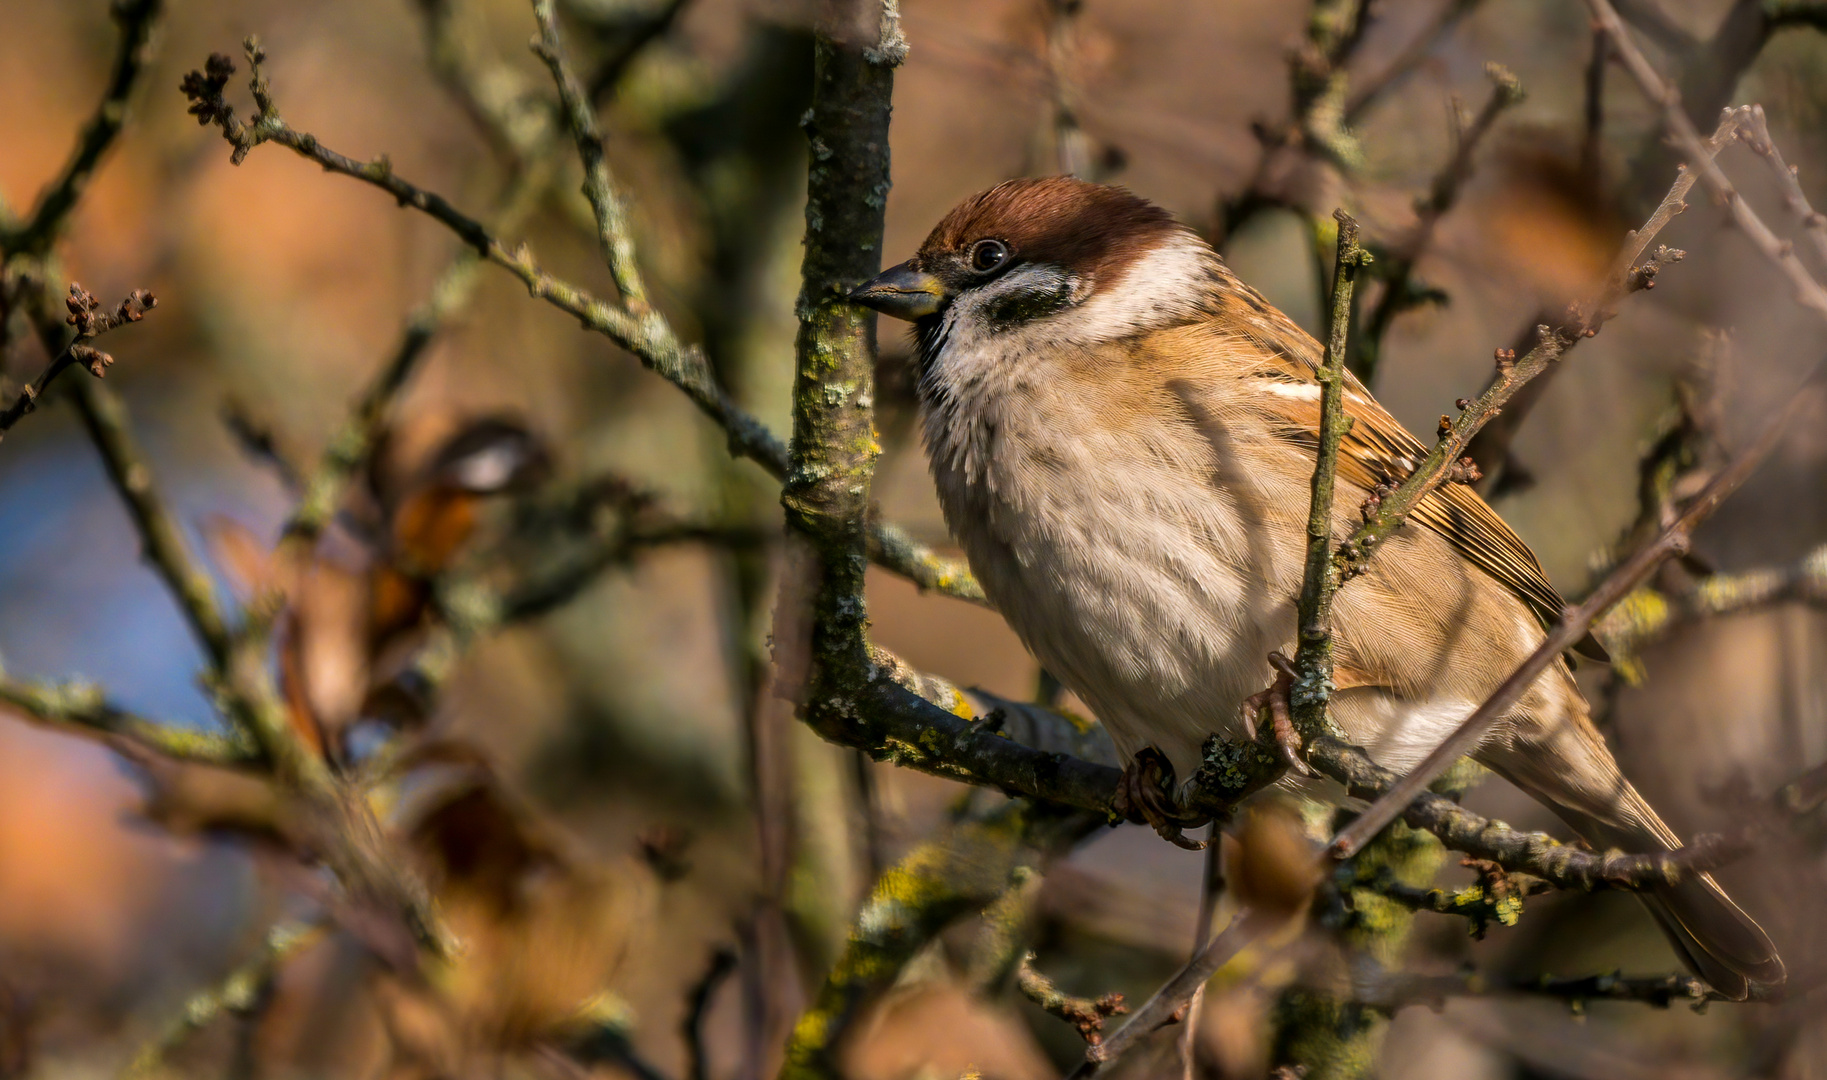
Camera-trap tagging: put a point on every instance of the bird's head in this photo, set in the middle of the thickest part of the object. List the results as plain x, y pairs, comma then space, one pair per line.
1037, 249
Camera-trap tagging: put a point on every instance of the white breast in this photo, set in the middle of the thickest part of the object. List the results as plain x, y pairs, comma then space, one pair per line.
1116, 551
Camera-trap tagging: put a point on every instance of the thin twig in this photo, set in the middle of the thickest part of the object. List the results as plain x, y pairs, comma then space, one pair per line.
1391, 991
91, 321
1756, 135
1419, 48
138, 20
605, 202
1583, 320
1211, 887
1245, 927
1086, 1015
1808, 292
350, 447
1399, 292
165, 546
697, 1064
649, 336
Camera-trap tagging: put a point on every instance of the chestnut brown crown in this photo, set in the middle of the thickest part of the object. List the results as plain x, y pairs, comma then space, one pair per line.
1091, 232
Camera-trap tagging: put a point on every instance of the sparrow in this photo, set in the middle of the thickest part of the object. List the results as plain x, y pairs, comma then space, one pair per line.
1122, 434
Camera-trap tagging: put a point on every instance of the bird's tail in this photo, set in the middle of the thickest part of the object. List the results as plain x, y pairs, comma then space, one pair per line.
1711, 934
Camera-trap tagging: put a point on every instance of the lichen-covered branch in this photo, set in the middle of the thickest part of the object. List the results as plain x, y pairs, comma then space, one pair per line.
1496, 898
240, 992
1086, 1015
83, 708
1647, 613
962, 871
1536, 854
1312, 689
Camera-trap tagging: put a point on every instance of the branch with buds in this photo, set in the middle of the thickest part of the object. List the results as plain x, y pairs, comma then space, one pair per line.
91, 321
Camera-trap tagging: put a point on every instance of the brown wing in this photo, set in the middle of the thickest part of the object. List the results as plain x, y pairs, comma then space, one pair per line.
1378, 449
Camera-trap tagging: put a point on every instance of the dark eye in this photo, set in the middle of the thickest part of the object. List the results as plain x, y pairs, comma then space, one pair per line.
988, 255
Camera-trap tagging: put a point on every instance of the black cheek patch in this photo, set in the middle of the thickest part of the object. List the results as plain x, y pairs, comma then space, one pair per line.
1018, 306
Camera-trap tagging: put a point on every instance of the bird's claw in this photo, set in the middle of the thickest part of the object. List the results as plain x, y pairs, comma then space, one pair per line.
1281, 716
1145, 794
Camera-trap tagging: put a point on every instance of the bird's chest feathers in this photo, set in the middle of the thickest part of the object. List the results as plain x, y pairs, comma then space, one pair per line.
1110, 547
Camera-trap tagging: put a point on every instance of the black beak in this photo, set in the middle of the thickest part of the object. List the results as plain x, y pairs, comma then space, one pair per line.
904, 291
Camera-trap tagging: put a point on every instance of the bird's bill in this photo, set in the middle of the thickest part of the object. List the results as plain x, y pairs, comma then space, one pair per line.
904, 291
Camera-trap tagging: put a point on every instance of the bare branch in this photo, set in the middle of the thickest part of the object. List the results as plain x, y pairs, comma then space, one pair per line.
1399, 292
648, 336
137, 19
1756, 135
1419, 48
599, 188
1159, 1010
1808, 292
1582, 320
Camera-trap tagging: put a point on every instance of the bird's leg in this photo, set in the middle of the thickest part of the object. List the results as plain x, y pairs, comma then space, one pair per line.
1281, 716
1146, 794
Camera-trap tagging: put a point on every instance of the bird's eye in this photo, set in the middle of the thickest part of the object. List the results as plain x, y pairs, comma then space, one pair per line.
988, 255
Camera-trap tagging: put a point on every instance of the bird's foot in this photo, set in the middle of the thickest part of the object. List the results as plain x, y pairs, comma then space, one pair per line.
1281, 714
1146, 794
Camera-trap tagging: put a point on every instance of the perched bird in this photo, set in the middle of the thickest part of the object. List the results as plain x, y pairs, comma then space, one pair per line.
1122, 435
